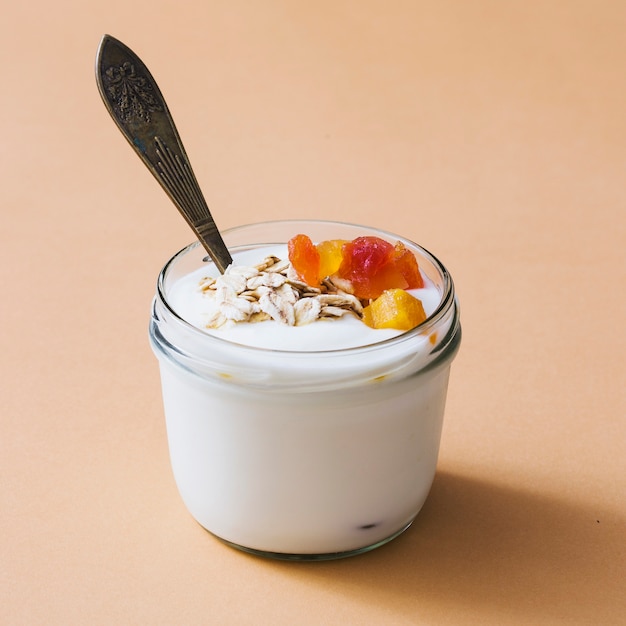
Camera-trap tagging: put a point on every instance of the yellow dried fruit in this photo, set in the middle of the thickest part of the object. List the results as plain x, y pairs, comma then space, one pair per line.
331, 255
394, 308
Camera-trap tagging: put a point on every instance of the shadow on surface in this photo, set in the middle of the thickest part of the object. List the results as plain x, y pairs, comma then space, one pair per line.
488, 549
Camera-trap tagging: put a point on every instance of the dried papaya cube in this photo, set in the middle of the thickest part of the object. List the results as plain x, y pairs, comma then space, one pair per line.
394, 308
305, 259
331, 255
368, 264
406, 264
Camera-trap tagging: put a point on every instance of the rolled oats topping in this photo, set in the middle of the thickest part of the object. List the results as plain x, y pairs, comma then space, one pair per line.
271, 290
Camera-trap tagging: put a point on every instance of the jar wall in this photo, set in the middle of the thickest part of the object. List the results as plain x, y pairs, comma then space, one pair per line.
317, 475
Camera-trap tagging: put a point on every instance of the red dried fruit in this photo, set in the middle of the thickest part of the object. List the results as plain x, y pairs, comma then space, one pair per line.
305, 259
369, 263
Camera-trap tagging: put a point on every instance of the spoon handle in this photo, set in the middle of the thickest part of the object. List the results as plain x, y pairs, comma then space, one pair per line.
137, 106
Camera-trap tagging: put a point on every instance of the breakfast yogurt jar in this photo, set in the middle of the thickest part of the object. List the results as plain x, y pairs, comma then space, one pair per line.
303, 443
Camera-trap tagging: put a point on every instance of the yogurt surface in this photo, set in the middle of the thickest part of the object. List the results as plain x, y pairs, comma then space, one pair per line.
194, 306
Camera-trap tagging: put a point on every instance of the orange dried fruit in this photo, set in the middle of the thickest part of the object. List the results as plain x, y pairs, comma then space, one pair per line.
305, 259
406, 263
394, 308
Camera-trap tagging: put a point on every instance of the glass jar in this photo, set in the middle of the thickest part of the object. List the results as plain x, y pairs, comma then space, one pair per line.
303, 455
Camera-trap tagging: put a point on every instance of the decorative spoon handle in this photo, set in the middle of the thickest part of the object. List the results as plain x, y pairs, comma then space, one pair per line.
135, 102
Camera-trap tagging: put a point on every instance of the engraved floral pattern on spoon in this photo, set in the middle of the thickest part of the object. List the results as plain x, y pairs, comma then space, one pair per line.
130, 93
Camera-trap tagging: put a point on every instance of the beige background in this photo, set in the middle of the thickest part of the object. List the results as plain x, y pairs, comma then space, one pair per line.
493, 133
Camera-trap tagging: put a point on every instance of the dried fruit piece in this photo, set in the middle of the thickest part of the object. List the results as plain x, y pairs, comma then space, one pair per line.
368, 263
331, 255
406, 263
305, 259
373, 265
394, 308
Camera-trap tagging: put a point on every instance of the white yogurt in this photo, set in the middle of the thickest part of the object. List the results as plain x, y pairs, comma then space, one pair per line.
302, 450
193, 305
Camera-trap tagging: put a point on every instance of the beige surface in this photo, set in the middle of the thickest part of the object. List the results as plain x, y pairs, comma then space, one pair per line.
493, 133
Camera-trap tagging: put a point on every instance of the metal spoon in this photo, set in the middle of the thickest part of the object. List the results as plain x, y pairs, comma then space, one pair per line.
137, 106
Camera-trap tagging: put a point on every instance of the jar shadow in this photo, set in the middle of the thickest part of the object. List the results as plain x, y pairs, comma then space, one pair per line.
492, 549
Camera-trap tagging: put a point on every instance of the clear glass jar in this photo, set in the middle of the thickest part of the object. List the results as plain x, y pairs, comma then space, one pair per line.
303, 455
